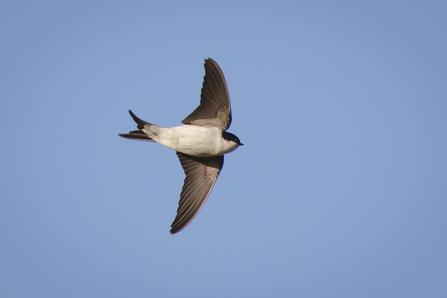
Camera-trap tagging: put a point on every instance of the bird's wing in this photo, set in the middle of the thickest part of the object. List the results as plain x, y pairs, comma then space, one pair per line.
215, 107
201, 174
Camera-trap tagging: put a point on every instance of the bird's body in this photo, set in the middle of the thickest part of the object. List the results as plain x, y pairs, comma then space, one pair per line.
200, 144
192, 139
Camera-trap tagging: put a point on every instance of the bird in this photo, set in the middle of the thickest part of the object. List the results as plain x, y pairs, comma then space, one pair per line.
200, 143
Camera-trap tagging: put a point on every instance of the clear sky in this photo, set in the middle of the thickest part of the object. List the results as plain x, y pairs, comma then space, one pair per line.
339, 191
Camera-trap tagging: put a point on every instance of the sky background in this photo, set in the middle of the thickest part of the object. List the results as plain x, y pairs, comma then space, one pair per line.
339, 191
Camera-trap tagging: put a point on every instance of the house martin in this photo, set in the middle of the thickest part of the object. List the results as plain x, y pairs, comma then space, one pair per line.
200, 144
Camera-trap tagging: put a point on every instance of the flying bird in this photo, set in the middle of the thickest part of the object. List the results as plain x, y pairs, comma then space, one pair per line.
200, 144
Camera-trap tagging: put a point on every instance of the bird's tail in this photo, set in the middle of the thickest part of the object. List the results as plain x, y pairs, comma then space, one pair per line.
146, 130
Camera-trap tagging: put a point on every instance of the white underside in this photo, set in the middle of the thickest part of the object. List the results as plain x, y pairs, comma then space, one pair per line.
192, 139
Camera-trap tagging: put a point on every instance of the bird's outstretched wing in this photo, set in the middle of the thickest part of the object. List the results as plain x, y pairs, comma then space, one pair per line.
201, 174
215, 107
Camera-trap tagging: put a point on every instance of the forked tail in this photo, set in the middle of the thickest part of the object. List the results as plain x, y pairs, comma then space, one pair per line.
139, 134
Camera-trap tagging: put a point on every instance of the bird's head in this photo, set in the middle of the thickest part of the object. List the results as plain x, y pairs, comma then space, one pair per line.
231, 137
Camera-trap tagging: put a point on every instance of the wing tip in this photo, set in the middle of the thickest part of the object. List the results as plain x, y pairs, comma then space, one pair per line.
209, 61
175, 230
178, 226
180, 223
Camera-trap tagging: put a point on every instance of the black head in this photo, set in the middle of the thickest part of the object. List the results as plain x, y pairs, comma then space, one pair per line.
231, 137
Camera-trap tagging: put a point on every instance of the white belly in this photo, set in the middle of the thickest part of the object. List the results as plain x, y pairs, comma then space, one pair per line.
195, 140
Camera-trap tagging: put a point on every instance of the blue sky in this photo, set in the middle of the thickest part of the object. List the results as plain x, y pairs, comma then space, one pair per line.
339, 191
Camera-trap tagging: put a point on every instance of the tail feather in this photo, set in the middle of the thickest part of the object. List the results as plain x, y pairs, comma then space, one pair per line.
136, 135
139, 134
141, 123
